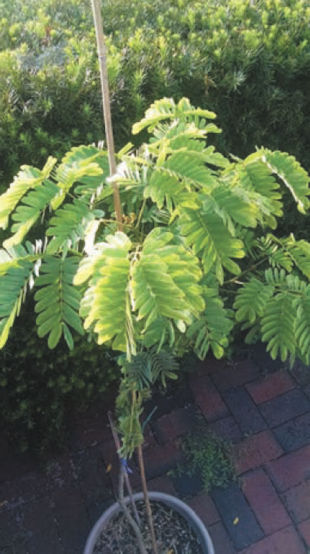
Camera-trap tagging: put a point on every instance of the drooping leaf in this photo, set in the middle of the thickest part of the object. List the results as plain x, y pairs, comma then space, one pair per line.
166, 109
12, 292
86, 165
28, 178
212, 329
57, 300
302, 327
251, 300
292, 175
165, 281
299, 252
209, 238
68, 226
278, 326
28, 212
105, 305
254, 175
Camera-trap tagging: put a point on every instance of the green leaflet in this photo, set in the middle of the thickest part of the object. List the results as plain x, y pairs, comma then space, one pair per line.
57, 300
68, 226
29, 211
251, 300
299, 252
254, 175
116, 246
159, 332
180, 172
292, 175
212, 329
274, 249
165, 282
215, 158
146, 368
211, 240
28, 178
105, 305
242, 206
302, 328
278, 326
86, 165
164, 187
166, 109
155, 293
16, 256
12, 292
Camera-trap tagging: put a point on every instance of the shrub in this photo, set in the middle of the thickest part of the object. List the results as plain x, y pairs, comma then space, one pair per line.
198, 253
249, 63
208, 456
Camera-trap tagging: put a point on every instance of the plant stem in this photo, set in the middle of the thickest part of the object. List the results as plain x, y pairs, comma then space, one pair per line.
146, 499
127, 481
102, 57
127, 513
141, 213
251, 268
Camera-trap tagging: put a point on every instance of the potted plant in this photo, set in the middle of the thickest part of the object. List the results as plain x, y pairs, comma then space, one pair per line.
192, 256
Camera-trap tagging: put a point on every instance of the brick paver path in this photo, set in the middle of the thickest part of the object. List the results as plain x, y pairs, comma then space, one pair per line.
49, 509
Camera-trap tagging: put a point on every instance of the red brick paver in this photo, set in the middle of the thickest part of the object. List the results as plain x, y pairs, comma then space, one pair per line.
221, 541
205, 508
304, 529
271, 386
297, 501
285, 541
255, 451
265, 502
291, 469
160, 459
170, 426
207, 398
227, 429
161, 484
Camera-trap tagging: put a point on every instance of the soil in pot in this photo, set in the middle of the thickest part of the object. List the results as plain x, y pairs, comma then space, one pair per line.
174, 534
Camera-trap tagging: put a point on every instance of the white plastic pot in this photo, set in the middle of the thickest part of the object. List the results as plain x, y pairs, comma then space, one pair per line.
171, 501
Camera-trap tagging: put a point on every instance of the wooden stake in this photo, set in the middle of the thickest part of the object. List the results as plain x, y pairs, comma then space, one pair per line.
130, 519
127, 481
101, 48
146, 499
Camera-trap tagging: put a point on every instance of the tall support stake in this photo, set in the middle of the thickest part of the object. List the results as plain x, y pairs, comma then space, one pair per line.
147, 500
102, 56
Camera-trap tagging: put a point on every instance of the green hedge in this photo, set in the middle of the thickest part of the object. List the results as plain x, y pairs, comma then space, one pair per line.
42, 390
249, 63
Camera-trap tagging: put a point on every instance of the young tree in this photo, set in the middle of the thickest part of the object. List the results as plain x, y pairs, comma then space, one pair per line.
193, 255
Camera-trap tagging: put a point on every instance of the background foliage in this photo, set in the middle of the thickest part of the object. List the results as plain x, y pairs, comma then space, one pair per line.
248, 63
41, 390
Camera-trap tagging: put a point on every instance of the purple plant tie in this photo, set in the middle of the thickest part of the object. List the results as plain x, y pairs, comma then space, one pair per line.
125, 466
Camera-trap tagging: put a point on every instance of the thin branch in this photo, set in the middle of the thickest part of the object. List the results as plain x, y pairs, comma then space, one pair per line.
251, 268
140, 213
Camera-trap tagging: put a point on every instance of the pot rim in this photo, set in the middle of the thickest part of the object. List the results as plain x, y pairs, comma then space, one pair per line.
168, 499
